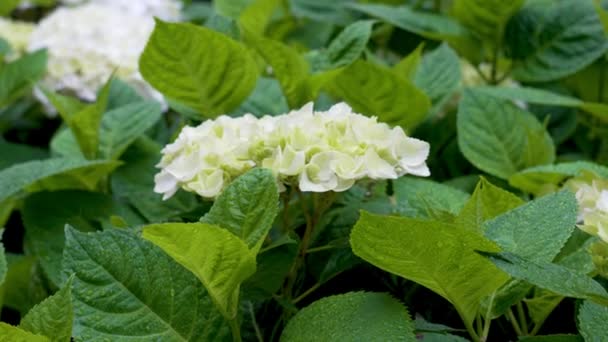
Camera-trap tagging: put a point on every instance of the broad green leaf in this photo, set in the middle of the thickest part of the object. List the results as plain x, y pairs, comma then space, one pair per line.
17, 77
247, 207
19, 153
436, 337
125, 288
544, 97
408, 66
54, 173
322, 11
500, 138
487, 202
428, 198
45, 215
353, 316
552, 277
592, 319
266, 99
7, 6
376, 91
121, 126
121, 94
542, 304
428, 25
349, 44
53, 317
288, 66
230, 8
133, 183
555, 40
487, 18
547, 178
221, 266
257, 15
603, 14
273, 265
84, 124
439, 73
24, 285
3, 264
224, 25
537, 230
437, 255
197, 67
552, 338
10, 333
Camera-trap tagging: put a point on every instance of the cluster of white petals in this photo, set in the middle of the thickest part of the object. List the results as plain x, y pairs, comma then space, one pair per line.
17, 34
592, 198
316, 151
87, 43
168, 10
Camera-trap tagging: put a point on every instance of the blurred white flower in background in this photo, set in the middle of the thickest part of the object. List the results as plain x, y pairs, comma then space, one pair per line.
316, 151
87, 43
592, 197
17, 34
168, 10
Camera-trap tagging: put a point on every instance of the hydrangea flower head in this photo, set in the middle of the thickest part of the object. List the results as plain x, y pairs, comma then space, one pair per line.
592, 197
315, 151
17, 34
167, 10
87, 43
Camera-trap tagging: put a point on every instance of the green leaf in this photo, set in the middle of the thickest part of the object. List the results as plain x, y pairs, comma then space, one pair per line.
273, 265
127, 288
552, 277
544, 97
408, 66
247, 207
487, 202
592, 320
230, 8
121, 126
45, 215
353, 316
197, 67
17, 77
552, 338
3, 264
19, 153
133, 183
221, 266
84, 123
266, 99
437, 255
500, 138
547, 178
23, 285
349, 44
537, 230
121, 94
288, 66
322, 11
542, 304
376, 91
486, 18
561, 38
439, 73
54, 173
53, 317
14, 334
428, 25
257, 15
428, 198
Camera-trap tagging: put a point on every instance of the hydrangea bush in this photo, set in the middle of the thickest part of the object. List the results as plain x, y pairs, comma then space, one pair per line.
303, 170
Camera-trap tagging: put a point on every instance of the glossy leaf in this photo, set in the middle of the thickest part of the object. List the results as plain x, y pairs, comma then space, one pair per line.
221, 266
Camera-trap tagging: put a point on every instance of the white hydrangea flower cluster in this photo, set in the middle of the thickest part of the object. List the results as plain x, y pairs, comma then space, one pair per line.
592, 198
87, 43
17, 34
316, 151
168, 10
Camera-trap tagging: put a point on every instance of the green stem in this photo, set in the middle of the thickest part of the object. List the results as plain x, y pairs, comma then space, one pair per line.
306, 293
514, 323
488, 319
471, 331
522, 318
320, 249
236, 330
258, 332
